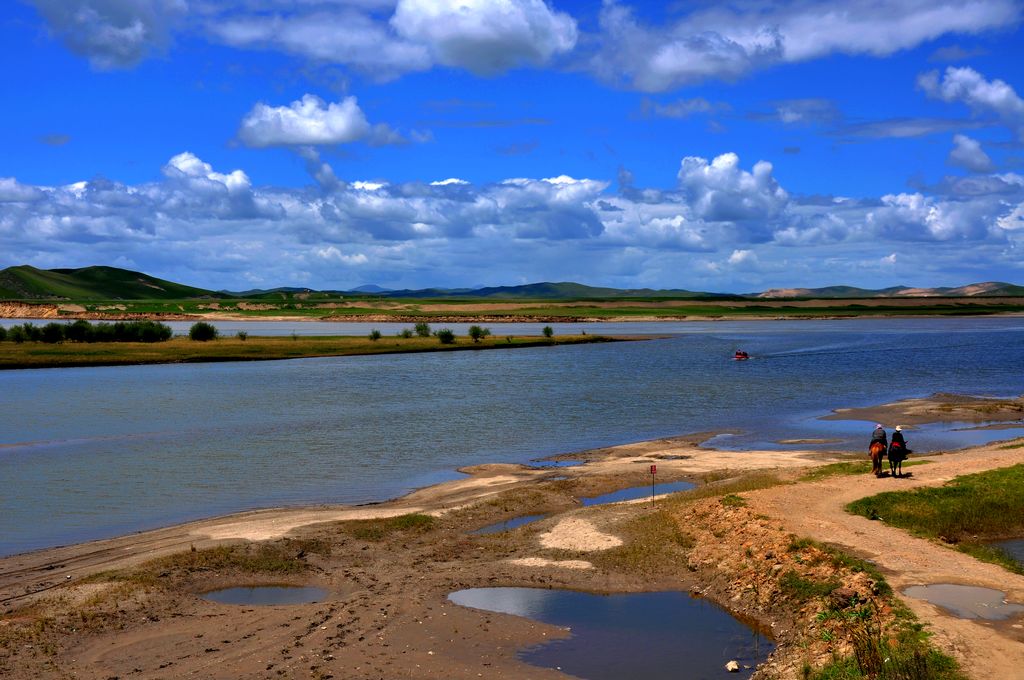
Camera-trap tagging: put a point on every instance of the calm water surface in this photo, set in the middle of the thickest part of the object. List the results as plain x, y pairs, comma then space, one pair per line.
666, 635
94, 452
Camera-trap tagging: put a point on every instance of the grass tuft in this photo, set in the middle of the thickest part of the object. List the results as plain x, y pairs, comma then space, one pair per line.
379, 529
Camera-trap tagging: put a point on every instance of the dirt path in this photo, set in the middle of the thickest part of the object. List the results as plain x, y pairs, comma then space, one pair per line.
986, 649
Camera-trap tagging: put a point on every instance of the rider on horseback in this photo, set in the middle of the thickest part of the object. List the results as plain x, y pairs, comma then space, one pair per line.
879, 436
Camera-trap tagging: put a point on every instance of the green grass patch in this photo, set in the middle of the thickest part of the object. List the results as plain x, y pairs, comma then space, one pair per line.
1018, 445
379, 529
803, 589
652, 543
853, 467
183, 350
881, 660
965, 513
733, 501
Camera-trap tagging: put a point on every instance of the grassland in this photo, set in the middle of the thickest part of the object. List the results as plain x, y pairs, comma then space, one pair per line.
183, 350
965, 514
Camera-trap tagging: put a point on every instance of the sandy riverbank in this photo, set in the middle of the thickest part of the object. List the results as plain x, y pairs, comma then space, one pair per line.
387, 615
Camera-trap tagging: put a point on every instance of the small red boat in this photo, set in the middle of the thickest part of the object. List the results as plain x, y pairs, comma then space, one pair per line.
741, 355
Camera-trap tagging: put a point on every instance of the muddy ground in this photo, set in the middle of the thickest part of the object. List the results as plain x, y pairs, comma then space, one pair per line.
131, 607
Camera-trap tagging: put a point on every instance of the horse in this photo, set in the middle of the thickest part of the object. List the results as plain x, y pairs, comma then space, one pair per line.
877, 450
897, 454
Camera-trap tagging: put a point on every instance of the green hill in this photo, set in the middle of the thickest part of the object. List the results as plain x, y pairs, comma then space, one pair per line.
91, 283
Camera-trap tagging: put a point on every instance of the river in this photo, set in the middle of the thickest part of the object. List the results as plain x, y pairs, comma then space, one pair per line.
89, 453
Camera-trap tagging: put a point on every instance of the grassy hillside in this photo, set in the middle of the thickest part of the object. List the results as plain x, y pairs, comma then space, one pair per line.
91, 283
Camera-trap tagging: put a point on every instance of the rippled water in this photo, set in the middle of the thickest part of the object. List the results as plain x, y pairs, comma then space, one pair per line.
94, 452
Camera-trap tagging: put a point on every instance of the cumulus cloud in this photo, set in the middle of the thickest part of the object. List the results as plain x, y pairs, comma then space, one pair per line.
216, 227
721, 191
968, 154
967, 86
112, 33
730, 41
482, 36
486, 36
309, 121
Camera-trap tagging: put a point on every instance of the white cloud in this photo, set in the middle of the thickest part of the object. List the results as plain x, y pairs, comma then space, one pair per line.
721, 225
486, 36
482, 36
967, 86
309, 121
331, 253
112, 33
722, 191
730, 40
11, 191
188, 165
451, 181
967, 153
742, 257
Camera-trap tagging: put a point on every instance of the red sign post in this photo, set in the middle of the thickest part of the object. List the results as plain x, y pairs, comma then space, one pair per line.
654, 471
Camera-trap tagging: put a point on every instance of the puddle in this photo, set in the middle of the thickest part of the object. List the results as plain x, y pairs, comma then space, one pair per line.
967, 602
635, 492
267, 595
509, 524
653, 636
1014, 548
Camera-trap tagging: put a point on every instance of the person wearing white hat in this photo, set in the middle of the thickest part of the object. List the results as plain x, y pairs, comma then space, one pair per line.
897, 452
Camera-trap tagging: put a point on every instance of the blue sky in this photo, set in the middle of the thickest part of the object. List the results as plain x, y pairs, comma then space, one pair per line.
415, 143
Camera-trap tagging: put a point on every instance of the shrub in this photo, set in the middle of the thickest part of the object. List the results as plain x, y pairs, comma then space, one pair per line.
374, 335
405, 333
445, 336
52, 332
477, 333
423, 329
3, 333
548, 332
16, 334
202, 331
79, 331
242, 335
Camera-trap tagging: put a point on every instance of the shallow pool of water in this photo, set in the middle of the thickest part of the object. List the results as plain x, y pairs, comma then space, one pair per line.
664, 635
1014, 548
267, 595
634, 492
509, 524
967, 602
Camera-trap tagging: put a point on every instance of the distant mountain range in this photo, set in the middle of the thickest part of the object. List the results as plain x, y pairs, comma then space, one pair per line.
110, 283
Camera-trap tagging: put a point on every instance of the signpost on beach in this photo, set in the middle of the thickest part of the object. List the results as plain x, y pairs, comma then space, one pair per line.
654, 471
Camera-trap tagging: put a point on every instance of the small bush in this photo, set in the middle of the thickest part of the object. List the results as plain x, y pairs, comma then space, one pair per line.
202, 332
374, 335
3, 333
405, 333
423, 329
548, 332
445, 336
477, 333
53, 332
242, 335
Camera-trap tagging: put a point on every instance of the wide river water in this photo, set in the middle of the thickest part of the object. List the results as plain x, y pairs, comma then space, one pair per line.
89, 453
